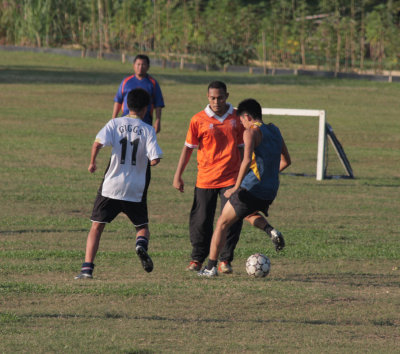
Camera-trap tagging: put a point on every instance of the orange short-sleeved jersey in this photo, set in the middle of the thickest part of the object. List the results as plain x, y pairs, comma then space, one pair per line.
217, 140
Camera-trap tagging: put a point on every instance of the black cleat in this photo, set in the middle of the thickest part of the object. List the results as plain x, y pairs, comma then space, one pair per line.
147, 263
277, 240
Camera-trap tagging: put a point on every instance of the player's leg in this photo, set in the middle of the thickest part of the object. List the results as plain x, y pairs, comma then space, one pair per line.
201, 225
142, 236
104, 211
232, 238
225, 221
92, 245
142, 245
138, 215
93, 240
260, 222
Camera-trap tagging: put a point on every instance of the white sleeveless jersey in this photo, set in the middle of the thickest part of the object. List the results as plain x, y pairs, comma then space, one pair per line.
133, 144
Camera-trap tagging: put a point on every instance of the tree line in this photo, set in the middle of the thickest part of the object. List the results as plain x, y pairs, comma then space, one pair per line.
339, 35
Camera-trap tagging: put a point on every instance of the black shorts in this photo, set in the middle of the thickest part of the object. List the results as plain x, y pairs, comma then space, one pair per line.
106, 209
246, 204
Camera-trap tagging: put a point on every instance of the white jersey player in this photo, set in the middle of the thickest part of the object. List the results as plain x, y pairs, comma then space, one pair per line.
124, 188
134, 144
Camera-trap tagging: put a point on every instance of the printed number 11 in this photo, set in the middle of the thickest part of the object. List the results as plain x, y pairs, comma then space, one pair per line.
124, 143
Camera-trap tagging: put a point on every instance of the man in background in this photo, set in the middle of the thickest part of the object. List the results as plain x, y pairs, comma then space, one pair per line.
140, 79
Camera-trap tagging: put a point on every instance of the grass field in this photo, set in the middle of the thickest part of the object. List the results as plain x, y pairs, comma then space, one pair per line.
335, 288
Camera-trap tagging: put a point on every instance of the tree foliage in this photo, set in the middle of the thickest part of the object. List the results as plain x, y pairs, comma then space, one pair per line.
333, 34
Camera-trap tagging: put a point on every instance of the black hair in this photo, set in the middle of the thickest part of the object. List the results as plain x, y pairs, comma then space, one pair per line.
251, 107
217, 85
138, 99
142, 57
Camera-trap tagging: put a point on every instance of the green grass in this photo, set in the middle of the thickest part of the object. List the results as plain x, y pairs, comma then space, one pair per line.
335, 288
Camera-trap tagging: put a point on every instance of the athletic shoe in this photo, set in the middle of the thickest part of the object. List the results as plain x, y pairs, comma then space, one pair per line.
194, 266
225, 267
208, 273
147, 263
277, 240
84, 276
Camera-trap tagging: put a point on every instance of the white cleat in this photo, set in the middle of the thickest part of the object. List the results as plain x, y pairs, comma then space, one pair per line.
208, 273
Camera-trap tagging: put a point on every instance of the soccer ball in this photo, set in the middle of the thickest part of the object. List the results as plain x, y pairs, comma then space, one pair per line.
258, 265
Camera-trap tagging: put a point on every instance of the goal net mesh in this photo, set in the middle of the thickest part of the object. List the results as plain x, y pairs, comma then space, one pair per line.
301, 138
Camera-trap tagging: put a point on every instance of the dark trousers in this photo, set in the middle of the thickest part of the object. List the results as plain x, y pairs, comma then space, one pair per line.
201, 224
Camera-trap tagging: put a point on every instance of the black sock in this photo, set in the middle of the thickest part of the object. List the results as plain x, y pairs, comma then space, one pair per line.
142, 241
87, 268
268, 228
211, 264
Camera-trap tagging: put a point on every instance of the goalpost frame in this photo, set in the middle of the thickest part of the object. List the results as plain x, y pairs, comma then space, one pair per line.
320, 174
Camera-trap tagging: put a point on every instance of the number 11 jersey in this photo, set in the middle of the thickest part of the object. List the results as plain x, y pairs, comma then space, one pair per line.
133, 144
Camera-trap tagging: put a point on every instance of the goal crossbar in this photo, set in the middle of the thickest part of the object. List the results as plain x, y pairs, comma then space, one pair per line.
320, 174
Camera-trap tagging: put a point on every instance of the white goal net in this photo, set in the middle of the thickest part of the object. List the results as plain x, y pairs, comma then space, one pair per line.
308, 145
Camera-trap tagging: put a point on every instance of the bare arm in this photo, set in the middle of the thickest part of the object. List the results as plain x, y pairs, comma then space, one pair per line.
285, 157
157, 123
249, 137
116, 109
183, 161
95, 150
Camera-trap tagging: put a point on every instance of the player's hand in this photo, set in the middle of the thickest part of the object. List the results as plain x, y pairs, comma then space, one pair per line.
92, 168
229, 192
179, 184
154, 162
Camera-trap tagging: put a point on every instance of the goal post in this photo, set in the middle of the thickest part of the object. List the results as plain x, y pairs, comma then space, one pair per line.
320, 173
339, 150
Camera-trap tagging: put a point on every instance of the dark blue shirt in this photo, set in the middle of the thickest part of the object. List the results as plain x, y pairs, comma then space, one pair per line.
148, 84
262, 180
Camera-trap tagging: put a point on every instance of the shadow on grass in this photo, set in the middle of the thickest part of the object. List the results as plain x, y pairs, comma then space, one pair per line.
345, 279
56, 75
386, 323
64, 75
30, 231
391, 182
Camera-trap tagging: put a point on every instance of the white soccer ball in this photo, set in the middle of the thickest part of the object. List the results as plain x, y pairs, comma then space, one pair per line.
258, 265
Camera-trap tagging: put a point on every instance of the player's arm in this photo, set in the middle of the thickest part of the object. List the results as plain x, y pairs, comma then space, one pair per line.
116, 109
158, 106
155, 162
240, 131
95, 151
249, 137
183, 161
285, 157
157, 123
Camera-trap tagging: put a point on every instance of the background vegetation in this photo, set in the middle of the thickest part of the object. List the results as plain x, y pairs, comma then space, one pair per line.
339, 35
334, 289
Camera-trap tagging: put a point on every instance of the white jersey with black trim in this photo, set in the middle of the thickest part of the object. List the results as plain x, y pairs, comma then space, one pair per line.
133, 144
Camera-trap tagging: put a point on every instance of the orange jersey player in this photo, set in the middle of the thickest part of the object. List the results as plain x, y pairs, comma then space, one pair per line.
217, 135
